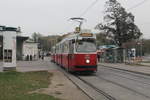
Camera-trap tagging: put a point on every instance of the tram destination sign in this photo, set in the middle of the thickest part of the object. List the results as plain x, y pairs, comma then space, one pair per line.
86, 34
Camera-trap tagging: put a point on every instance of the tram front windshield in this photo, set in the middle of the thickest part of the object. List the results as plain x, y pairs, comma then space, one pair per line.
86, 45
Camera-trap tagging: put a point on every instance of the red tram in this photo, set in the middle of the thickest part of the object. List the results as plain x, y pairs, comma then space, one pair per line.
53, 54
76, 52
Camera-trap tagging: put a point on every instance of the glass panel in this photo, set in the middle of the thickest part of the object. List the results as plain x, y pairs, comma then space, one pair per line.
86, 45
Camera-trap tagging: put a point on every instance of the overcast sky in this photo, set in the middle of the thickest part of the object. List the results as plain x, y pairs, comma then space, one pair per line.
51, 16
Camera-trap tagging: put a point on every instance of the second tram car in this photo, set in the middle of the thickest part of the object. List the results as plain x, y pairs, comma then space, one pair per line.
77, 52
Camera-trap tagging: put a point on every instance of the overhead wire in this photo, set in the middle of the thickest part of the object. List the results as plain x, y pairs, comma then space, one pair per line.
88, 8
137, 5
94, 2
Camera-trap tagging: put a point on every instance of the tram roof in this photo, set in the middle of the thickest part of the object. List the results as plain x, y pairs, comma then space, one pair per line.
75, 35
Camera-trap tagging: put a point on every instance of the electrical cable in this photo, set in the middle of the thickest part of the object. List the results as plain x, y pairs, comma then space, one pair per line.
93, 3
88, 8
137, 5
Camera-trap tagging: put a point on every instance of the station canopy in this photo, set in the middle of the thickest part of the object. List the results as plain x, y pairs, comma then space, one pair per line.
108, 47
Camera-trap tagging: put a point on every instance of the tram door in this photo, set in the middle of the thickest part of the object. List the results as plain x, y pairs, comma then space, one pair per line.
71, 53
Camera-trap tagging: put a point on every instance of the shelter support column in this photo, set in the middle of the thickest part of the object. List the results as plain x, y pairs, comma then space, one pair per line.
9, 50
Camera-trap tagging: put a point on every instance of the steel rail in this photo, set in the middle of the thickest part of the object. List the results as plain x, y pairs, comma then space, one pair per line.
109, 97
122, 73
124, 87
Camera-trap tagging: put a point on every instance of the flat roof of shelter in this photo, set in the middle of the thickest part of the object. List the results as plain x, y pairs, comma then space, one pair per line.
23, 38
4, 28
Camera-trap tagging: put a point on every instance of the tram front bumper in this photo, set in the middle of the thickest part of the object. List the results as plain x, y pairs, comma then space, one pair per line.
85, 68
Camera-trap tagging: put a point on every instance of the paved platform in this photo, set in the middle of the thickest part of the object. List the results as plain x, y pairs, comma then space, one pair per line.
40, 65
145, 64
133, 68
25, 66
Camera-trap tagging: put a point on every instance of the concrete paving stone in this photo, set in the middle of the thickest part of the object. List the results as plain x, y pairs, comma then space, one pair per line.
25, 66
40, 65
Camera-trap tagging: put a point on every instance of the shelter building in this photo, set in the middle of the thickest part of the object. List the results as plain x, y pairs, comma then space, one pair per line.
5, 36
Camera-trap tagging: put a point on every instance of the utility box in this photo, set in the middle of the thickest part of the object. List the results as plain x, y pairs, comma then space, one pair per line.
9, 49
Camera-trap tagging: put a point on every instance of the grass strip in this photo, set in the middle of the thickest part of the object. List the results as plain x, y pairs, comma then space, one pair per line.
16, 85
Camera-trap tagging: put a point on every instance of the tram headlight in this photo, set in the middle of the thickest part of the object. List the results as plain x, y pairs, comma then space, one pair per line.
87, 61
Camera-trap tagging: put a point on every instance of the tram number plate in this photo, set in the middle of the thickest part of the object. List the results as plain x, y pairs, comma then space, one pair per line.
87, 56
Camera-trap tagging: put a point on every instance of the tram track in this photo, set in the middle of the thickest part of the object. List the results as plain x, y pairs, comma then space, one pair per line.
136, 74
120, 85
138, 78
75, 79
121, 73
109, 97
125, 70
99, 90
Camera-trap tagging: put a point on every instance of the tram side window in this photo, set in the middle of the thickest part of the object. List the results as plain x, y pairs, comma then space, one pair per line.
71, 46
62, 48
54, 50
57, 49
66, 48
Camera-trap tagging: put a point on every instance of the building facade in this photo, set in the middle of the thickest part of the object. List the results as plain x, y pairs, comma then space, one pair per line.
30, 50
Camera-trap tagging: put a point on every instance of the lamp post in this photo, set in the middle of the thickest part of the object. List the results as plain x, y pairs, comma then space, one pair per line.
141, 47
140, 44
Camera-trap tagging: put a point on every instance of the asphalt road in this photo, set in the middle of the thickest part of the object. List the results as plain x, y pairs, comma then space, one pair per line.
121, 85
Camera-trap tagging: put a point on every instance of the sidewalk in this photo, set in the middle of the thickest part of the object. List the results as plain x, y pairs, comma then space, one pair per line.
145, 64
132, 68
26, 66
